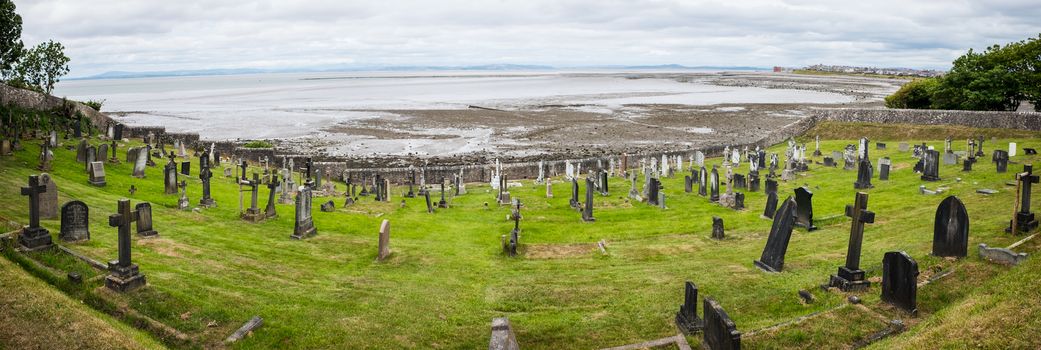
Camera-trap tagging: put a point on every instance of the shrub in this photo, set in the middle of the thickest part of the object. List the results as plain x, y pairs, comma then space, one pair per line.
916, 94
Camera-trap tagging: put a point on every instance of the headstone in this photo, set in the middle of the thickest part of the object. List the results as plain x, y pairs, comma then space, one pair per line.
75, 226
502, 336
772, 259
951, 229
931, 166
183, 203
140, 163
703, 182
1000, 158
34, 237
430, 205
272, 188
687, 319
688, 184
5, 147
81, 151
509, 245
186, 168
714, 186
864, 172
804, 199
1023, 220
587, 211
102, 152
49, 199
328, 207
170, 177
771, 186
950, 158
717, 228
880, 146
252, 214
549, 188
884, 165
850, 277
900, 281
966, 165
304, 224
720, 331
123, 273
771, 205
1029, 151
205, 175
1003, 256
1012, 149
384, 241
144, 220
96, 174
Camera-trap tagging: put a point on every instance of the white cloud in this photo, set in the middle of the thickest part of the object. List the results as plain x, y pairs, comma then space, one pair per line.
144, 35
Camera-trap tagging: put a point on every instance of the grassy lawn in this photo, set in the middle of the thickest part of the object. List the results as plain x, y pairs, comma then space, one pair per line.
209, 272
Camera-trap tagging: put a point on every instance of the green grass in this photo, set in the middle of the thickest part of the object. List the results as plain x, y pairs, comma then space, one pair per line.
209, 272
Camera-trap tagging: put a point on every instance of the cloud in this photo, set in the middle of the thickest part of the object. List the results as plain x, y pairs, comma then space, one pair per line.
146, 35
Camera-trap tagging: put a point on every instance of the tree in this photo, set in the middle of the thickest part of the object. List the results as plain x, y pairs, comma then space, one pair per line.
11, 47
43, 65
916, 94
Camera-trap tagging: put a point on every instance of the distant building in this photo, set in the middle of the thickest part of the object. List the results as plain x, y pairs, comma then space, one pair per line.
904, 72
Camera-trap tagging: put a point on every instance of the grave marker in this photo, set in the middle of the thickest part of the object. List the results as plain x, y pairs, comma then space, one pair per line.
804, 199
900, 281
123, 274
143, 217
303, 224
951, 229
850, 277
75, 226
720, 331
687, 318
34, 237
772, 259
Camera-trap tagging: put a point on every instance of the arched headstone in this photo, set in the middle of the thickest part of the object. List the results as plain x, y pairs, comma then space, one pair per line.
951, 229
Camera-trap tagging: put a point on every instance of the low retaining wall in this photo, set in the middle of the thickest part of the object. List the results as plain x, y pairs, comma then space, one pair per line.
975, 119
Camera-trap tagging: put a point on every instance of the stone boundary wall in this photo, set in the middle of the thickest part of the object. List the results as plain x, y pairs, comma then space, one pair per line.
975, 119
34, 100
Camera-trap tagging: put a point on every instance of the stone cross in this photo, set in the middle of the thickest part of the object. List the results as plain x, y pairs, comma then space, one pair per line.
34, 236
1023, 220
124, 275
850, 277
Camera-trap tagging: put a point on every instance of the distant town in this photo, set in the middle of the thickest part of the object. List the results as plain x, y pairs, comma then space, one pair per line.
907, 72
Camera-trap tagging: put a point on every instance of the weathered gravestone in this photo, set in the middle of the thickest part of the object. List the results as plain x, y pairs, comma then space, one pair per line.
205, 174
720, 331
140, 163
81, 151
574, 194
502, 336
186, 168
251, 214
587, 211
303, 225
1002, 256
123, 274
102, 152
864, 173
931, 165
170, 177
430, 205
804, 198
96, 174
702, 182
49, 199
951, 229
772, 259
829, 162
384, 241
75, 226
771, 186
900, 281
688, 184
1023, 220
714, 186
771, 205
966, 165
144, 220
687, 319
34, 237
717, 228
328, 207
1000, 159
272, 187
850, 277
884, 164
509, 245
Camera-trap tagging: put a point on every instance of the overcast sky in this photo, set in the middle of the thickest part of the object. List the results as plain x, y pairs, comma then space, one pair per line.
146, 35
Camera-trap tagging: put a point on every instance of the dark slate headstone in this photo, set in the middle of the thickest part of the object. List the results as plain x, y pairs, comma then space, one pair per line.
430, 205
687, 318
931, 165
574, 193
753, 181
720, 331
739, 201
75, 225
587, 211
739, 181
702, 182
880, 146
804, 198
883, 168
864, 172
653, 188
688, 184
771, 186
900, 281
303, 224
850, 277
714, 186
144, 220
829, 162
717, 228
771, 205
951, 229
34, 237
170, 178
1000, 159
772, 259
966, 164
186, 168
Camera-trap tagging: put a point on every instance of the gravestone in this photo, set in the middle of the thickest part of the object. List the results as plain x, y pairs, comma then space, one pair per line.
702, 182
96, 174
688, 184
170, 177
1012, 149
34, 237
252, 214
884, 165
951, 229
850, 277
950, 158
804, 199
829, 162
81, 151
931, 166
502, 335
49, 199
509, 245
753, 181
966, 165
720, 331
303, 226
328, 207
102, 152
771, 186
430, 205
186, 168
771, 205
714, 186
384, 241
1023, 220
864, 172
1002, 256
717, 228
442, 203
140, 163
5, 147
880, 146
900, 281
574, 194
123, 274
1029, 151
739, 181
144, 220
1000, 159
687, 319
653, 194
587, 211
183, 203
272, 188
75, 226
205, 175
772, 259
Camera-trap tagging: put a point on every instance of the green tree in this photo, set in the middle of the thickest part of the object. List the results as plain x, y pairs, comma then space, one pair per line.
10, 38
916, 94
43, 65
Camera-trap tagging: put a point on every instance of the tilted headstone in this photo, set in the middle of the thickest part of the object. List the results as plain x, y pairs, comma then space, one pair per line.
720, 331
384, 241
49, 199
34, 237
1002, 256
772, 259
303, 224
144, 220
687, 319
717, 228
771, 205
123, 274
850, 277
804, 198
272, 188
900, 281
951, 229
75, 226
1023, 220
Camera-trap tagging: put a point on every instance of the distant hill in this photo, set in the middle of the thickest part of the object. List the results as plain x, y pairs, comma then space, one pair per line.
486, 67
